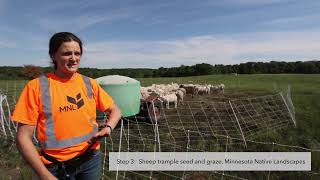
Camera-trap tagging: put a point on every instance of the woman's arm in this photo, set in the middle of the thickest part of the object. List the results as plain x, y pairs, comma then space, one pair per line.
29, 151
114, 115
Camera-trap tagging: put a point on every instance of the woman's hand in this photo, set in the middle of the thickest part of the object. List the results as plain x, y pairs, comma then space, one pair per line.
113, 119
104, 132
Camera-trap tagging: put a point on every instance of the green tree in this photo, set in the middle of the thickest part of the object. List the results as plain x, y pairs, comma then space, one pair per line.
203, 69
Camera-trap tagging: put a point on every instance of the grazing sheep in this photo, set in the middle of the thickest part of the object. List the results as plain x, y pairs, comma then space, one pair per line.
174, 93
202, 89
221, 88
170, 98
144, 93
190, 88
180, 95
218, 88
183, 90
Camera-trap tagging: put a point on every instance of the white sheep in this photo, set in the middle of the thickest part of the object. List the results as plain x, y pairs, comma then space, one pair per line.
180, 95
202, 89
218, 88
183, 90
221, 88
170, 98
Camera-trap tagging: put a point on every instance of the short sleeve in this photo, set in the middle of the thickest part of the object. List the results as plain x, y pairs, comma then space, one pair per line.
26, 110
102, 98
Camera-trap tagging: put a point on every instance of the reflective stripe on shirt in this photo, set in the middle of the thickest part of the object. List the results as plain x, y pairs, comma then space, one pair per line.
51, 141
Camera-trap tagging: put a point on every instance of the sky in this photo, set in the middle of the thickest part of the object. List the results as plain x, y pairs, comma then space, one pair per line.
162, 33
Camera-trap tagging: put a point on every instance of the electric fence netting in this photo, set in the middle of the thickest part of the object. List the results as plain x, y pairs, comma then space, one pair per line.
9, 93
232, 125
249, 124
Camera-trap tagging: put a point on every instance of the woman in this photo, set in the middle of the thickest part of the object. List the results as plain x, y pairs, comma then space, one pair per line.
61, 106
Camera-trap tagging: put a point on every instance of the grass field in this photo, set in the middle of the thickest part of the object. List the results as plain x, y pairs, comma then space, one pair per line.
305, 91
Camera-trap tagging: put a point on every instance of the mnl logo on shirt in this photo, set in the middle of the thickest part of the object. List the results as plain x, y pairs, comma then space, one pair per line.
76, 103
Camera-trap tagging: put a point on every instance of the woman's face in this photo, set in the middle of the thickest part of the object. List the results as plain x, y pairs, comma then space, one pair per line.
67, 58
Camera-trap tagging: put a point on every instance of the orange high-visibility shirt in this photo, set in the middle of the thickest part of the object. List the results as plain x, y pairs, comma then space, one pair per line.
69, 107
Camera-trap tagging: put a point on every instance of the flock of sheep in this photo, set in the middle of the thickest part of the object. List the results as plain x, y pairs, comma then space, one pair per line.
174, 93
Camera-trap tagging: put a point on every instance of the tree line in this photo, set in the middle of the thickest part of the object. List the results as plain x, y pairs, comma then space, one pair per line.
273, 67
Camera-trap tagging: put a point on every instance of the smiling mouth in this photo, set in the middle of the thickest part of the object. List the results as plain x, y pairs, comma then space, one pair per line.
72, 65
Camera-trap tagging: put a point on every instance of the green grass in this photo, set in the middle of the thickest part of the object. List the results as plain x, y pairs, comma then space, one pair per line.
12, 165
305, 91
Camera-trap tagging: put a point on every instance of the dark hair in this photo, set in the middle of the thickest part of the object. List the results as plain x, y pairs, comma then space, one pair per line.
57, 39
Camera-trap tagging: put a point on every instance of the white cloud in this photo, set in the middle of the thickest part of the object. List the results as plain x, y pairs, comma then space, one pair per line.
212, 49
78, 23
137, 13
296, 19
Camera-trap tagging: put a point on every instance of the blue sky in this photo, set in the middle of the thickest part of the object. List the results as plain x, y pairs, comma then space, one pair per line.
162, 33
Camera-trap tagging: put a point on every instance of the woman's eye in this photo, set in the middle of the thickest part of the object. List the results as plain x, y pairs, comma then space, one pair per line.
67, 53
70, 53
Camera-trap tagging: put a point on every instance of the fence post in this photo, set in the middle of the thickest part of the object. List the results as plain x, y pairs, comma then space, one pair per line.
244, 140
